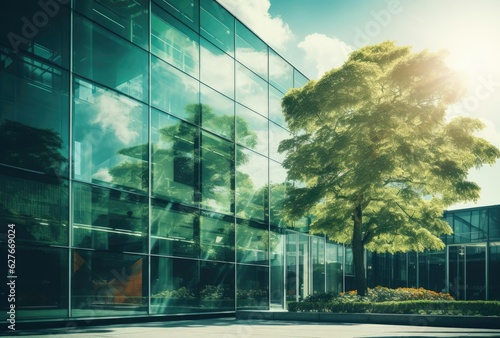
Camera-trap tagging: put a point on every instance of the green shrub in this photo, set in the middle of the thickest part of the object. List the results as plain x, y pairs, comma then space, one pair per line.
383, 294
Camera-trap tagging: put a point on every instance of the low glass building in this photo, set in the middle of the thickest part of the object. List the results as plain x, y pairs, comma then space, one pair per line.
140, 173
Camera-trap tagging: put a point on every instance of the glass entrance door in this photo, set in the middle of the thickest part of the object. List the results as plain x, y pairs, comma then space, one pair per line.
467, 271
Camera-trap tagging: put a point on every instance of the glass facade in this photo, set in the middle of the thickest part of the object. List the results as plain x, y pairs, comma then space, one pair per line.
139, 166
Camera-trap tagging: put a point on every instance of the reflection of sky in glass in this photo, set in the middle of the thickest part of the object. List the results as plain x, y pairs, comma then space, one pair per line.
280, 72
276, 135
217, 69
255, 168
251, 90
257, 125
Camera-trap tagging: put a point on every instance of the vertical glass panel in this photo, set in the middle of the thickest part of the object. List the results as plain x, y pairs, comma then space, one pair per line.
299, 79
251, 90
318, 264
251, 51
252, 130
217, 25
217, 237
217, 284
252, 243
41, 286
174, 42
36, 204
109, 285
173, 91
44, 33
187, 11
217, 69
110, 138
217, 174
493, 275
174, 230
278, 187
129, 20
109, 60
217, 113
475, 287
494, 223
174, 162
252, 188
252, 287
106, 219
276, 135
275, 112
174, 285
304, 272
291, 266
280, 72
277, 266
333, 268
34, 115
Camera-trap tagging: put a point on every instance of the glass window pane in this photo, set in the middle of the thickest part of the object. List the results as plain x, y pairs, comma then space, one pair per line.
251, 90
187, 11
110, 138
173, 91
174, 230
304, 258
217, 113
34, 111
276, 135
252, 130
252, 287
109, 285
318, 264
277, 266
280, 72
106, 219
44, 33
217, 174
174, 166
217, 237
299, 79
333, 267
278, 187
217, 25
252, 189
275, 111
252, 241
41, 286
129, 20
251, 51
109, 60
217, 69
174, 42
217, 286
36, 204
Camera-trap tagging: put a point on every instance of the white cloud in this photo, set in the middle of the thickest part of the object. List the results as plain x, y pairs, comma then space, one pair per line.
324, 52
255, 15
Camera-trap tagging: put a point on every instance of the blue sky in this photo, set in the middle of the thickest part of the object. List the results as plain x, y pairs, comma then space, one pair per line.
317, 35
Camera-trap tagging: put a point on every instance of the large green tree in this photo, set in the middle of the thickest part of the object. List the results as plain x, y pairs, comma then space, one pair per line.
377, 154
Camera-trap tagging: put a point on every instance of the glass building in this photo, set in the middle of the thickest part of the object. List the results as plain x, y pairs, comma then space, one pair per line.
140, 170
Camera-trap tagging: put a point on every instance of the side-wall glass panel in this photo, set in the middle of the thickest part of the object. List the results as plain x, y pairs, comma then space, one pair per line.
174, 230
277, 266
252, 287
174, 42
275, 111
217, 69
276, 135
217, 25
252, 130
187, 11
110, 133
318, 264
46, 36
252, 189
34, 115
173, 91
251, 51
106, 284
304, 266
130, 21
217, 237
252, 240
217, 113
291, 266
494, 267
109, 60
174, 159
251, 90
333, 267
217, 174
299, 80
106, 219
280, 72
41, 286
278, 186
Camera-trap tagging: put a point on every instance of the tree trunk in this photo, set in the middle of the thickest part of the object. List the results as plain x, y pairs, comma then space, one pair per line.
358, 251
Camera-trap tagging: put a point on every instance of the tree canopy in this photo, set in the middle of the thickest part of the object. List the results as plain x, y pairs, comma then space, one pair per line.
379, 158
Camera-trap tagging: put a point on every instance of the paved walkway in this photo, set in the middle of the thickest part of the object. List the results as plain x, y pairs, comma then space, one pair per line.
232, 328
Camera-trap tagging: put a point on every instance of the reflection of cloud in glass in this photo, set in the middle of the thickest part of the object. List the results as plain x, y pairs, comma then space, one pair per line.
189, 85
217, 69
255, 60
251, 90
114, 113
256, 169
276, 135
102, 175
